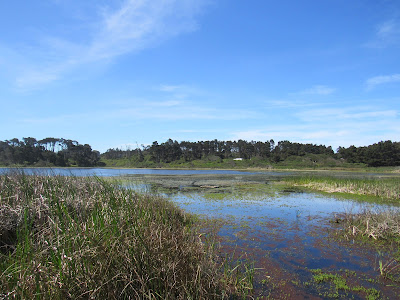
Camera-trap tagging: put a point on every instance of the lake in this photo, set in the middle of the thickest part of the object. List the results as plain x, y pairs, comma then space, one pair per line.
120, 172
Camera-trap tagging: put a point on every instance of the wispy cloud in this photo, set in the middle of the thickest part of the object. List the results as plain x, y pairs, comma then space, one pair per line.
132, 27
167, 103
352, 113
180, 92
180, 112
373, 82
290, 104
137, 24
359, 134
386, 29
354, 125
316, 90
156, 111
301, 134
170, 88
386, 34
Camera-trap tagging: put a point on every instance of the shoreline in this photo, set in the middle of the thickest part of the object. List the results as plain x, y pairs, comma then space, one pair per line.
380, 170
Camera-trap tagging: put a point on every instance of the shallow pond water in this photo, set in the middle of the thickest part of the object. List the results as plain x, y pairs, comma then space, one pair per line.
286, 233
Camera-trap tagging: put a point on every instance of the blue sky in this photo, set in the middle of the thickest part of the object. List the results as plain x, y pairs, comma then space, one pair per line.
124, 73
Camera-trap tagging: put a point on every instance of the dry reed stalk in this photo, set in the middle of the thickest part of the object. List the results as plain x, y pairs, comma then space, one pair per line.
85, 238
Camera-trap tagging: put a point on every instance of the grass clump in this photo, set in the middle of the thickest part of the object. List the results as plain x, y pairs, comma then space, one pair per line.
81, 238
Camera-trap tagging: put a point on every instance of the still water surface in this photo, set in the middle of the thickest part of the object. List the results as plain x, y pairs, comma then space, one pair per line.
120, 172
287, 234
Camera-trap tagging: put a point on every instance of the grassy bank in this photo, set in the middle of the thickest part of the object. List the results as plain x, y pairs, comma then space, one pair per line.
81, 238
308, 161
384, 187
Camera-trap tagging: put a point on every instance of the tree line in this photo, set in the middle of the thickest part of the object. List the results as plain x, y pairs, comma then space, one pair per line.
170, 150
49, 151
384, 153
65, 152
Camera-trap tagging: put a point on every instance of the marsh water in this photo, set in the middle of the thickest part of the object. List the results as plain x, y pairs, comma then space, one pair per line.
285, 234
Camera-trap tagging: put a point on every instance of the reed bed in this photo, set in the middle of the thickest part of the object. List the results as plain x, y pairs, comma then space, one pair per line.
388, 188
85, 238
383, 224
383, 227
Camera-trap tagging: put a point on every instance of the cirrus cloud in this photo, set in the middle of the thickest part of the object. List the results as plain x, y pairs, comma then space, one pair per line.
386, 34
317, 90
129, 28
373, 82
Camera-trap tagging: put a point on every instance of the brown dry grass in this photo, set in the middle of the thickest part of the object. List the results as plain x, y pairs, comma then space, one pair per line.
82, 238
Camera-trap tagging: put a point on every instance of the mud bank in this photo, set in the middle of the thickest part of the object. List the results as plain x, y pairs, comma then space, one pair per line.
203, 181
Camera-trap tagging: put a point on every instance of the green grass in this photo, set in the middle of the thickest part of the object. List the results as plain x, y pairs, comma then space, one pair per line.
384, 187
81, 238
338, 285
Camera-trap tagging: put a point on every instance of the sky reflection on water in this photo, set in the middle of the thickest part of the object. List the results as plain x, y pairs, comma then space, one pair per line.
292, 229
120, 172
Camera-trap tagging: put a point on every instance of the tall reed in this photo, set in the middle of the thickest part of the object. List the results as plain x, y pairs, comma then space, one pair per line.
85, 238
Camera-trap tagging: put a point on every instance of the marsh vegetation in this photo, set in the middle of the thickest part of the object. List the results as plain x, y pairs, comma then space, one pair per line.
86, 238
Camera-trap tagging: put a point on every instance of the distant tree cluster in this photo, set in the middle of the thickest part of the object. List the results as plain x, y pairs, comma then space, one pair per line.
377, 155
49, 151
121, 154
188, 151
